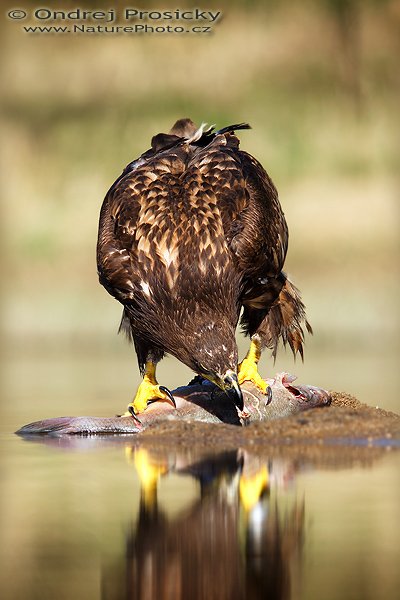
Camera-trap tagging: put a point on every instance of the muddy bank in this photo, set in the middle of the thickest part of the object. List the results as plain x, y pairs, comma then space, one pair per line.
344, 435
296, 415
347, 421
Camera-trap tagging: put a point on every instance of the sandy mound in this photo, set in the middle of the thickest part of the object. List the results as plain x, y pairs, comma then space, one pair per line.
346, 421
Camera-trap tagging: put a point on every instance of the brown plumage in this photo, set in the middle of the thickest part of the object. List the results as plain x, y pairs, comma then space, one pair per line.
191, 232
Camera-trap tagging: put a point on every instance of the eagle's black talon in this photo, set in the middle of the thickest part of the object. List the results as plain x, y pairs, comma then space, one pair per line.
133, 415
166, 391
269, 395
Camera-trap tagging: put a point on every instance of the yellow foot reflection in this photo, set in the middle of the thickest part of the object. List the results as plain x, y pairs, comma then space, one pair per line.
149, 471
251, 488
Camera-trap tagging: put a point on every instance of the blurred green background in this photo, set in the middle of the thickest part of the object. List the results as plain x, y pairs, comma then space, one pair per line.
317, 80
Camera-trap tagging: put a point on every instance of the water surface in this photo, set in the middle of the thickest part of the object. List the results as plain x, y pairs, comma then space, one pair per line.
110, 518
117, 518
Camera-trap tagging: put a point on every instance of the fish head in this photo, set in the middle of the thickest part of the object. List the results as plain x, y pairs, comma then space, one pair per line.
306, 396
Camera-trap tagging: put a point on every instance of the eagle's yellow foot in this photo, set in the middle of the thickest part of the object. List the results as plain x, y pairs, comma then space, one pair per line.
248, 371
149, 391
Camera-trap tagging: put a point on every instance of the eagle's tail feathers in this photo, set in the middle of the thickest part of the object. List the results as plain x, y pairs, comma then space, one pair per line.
186, 130
205, 132
286, 321
204, 135
232, 128
202, 131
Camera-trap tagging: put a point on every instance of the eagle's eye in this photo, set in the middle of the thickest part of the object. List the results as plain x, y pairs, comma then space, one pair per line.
201, 369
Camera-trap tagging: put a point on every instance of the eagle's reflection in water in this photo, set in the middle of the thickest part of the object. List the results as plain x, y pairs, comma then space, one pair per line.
241, 539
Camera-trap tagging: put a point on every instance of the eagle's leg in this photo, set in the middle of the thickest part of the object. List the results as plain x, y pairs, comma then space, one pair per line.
150, 390
247, 369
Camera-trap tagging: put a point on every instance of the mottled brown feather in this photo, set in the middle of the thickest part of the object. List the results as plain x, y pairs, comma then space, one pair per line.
189, 233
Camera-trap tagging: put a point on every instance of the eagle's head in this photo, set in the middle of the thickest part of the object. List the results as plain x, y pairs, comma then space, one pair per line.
213, 355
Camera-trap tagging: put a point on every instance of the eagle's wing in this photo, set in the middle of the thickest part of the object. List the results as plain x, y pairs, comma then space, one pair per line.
256, 234
114, 261
273, 308
254, 226
129, 211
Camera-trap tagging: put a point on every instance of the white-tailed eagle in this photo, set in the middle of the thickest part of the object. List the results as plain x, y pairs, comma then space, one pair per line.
191, 233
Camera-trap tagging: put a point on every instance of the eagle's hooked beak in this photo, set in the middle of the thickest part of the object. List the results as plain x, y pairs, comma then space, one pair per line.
232, 389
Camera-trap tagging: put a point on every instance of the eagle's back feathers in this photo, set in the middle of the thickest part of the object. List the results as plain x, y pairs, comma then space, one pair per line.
192, 231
